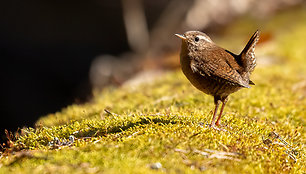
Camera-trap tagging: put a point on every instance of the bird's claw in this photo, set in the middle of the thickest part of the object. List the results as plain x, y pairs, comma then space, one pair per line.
214, 126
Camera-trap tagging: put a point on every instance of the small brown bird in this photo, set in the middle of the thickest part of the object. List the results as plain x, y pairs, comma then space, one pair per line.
214, 70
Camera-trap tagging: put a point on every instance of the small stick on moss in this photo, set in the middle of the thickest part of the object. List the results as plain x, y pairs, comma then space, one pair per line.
290, 151
110, 113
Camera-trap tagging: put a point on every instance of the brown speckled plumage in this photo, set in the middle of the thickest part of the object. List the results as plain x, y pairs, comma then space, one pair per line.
214, 70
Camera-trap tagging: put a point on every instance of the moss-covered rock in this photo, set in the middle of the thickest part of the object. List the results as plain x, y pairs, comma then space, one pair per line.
161, 127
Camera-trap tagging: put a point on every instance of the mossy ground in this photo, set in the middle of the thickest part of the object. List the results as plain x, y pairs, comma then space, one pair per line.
130, 129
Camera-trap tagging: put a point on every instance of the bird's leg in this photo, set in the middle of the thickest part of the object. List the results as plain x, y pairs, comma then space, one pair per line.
221, 111
217, 102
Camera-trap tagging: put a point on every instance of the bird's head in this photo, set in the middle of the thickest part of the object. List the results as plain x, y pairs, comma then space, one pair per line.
196, 40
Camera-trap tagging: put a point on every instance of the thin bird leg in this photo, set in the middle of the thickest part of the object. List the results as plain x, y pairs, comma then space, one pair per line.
221, 111
212, 124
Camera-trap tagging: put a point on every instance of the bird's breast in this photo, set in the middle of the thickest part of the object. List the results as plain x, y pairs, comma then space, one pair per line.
205, 83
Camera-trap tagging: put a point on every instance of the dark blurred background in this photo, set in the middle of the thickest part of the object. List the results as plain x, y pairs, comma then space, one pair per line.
53, 53
46, 48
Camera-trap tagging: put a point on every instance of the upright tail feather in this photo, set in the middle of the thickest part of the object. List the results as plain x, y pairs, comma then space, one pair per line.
247, 55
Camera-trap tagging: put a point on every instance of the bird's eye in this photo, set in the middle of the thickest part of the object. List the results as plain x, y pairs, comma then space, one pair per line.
196, 39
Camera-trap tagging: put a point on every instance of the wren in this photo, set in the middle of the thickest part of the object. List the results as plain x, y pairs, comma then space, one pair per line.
214, 70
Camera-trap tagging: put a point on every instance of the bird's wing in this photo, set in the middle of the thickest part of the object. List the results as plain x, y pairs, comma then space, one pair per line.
217, 68
247, 56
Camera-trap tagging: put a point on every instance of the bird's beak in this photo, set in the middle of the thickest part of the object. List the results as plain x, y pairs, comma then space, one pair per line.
181, 36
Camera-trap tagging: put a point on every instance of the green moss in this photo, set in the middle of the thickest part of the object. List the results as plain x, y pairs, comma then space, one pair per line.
165, 122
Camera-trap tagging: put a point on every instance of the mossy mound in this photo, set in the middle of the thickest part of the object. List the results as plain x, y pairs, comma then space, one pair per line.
161, 127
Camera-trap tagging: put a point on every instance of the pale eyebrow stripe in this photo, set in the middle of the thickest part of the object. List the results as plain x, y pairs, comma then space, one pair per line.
205, 38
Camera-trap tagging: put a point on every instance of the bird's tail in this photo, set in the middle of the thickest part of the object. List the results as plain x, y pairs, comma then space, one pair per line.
248, 53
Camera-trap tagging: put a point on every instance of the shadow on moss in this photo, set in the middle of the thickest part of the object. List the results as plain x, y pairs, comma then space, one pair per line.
96, 132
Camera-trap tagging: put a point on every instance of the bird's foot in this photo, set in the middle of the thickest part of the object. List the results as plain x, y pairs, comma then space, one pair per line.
224, 126
216, 127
